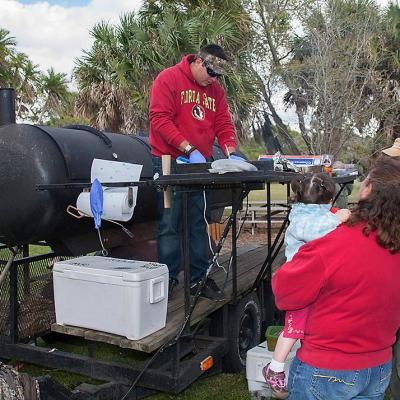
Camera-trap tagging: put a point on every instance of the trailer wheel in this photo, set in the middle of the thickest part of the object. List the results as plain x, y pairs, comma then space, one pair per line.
395, 382
244, 332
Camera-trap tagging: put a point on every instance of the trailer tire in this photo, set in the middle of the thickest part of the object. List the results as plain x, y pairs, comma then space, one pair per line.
395, 381
244, 332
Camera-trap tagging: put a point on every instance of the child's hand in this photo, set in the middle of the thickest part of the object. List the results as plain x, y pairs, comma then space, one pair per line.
343, 214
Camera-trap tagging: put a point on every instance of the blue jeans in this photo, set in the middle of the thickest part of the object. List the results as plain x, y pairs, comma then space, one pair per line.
169, 239
310, 383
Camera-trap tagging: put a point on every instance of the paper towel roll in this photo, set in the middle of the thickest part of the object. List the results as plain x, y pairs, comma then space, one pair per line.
116, 204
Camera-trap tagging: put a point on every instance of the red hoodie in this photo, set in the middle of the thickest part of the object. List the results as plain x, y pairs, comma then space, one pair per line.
352, 286
181, 109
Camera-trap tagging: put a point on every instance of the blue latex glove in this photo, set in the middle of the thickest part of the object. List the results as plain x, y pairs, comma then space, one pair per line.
235, 157
96, 202
182, 160
196, 157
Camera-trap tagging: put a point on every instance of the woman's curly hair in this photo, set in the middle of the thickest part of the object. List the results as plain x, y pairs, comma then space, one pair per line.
381, 208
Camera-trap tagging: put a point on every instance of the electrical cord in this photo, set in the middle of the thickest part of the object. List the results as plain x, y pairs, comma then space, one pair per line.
231, 220
237, 236
71, 211
208, 232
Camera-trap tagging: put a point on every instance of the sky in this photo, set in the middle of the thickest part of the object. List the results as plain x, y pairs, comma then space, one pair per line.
54, 32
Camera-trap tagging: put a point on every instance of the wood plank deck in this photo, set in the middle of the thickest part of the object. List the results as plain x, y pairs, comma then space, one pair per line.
249, 261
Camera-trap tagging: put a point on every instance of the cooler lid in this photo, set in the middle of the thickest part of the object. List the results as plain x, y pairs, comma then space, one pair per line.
127, 270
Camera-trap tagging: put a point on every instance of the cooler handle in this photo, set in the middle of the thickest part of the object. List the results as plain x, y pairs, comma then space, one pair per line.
157, 290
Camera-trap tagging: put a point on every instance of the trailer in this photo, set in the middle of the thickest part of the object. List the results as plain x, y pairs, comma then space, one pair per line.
42, 171
200, 337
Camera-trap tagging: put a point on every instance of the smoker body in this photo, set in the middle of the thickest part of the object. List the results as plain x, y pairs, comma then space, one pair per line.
38, 155
33, 155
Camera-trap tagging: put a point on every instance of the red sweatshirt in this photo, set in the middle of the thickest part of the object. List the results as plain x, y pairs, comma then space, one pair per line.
182, 109
352, 286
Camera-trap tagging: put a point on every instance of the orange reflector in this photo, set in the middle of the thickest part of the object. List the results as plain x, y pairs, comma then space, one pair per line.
207, 363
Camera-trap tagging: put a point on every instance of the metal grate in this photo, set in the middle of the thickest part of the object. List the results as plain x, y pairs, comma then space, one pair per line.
27, 289
5, 254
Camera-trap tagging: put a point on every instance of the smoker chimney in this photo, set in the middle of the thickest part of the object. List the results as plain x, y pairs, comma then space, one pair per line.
7, 106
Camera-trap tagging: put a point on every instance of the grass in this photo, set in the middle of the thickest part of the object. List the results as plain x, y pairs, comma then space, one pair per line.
221, 386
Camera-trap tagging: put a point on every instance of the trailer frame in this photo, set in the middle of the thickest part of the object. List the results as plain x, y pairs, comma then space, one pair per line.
180, 360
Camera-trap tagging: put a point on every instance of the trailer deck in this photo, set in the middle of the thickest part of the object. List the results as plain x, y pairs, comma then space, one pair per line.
249, 261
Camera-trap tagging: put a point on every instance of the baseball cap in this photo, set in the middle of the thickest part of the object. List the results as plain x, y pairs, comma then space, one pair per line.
215, 63
393, 151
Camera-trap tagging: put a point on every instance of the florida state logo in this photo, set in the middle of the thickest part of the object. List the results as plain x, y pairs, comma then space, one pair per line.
198, 112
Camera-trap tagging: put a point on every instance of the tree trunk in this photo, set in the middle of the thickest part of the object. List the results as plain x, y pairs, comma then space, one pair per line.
282, 129
16, 386
303, 129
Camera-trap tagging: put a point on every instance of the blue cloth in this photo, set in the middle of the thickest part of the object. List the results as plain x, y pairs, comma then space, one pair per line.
169, 239
96, 202
308, 222
310, 383
233, 157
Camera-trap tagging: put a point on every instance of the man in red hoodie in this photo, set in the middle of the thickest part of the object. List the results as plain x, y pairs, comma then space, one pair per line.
188, 110
350, 279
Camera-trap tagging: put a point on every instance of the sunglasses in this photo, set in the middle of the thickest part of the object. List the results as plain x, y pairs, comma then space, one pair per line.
212, 73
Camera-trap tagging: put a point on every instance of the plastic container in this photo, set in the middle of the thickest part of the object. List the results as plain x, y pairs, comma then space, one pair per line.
257, 358
272, 334
123, 297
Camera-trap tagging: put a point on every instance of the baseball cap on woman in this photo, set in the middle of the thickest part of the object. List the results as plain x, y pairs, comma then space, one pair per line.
393, 151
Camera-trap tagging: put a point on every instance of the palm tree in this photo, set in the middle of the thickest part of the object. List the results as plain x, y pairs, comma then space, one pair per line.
115, 75
25, 77
7, 45
54, 89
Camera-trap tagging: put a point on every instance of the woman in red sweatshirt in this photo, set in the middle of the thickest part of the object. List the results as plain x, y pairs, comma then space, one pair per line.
350, 279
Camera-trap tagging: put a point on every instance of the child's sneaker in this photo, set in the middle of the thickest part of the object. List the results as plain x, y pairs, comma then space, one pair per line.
276, 382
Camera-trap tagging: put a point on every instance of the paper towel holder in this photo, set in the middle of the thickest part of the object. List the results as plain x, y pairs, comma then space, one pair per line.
130, 196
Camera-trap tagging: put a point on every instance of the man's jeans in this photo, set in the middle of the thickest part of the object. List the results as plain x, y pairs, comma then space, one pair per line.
309, 383
169, 240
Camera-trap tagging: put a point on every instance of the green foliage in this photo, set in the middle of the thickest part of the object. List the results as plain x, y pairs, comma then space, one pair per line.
115, 75
252, 149
67, 114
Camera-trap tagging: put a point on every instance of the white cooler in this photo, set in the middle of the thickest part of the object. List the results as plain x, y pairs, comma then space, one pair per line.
124, 297
257, 358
